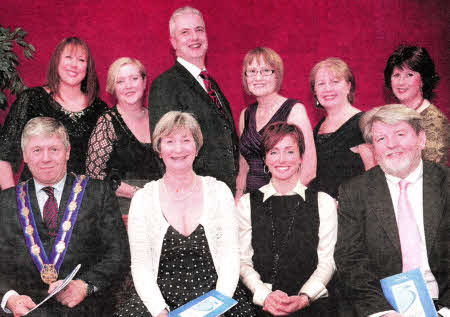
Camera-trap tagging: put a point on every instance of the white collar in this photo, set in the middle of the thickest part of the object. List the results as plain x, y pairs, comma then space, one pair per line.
269, 191
191, 68
425, 104
59, 186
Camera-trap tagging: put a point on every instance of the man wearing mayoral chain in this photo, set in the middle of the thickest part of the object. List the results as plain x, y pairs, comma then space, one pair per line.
53, 222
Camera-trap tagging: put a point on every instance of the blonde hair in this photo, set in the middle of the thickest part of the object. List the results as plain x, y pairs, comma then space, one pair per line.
340, 69
181, 11
270, 57
114, 70
44, 126
389, 114
172, 121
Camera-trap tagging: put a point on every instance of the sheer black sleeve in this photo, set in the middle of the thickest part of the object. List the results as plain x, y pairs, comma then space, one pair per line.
100, 147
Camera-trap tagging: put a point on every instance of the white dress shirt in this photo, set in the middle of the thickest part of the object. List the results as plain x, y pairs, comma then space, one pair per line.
415, 196
41, 198
193, 70
315, 286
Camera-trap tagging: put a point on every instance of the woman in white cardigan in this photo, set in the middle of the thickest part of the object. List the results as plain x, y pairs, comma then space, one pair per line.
182, 228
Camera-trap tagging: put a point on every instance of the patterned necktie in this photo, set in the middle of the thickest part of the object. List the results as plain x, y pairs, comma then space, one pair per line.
408, 230
50, 211
211, 93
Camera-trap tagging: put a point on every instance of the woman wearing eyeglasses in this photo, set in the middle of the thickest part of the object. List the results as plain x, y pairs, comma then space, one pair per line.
262, 74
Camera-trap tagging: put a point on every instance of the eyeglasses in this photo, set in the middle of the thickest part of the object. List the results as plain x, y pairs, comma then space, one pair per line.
264, 72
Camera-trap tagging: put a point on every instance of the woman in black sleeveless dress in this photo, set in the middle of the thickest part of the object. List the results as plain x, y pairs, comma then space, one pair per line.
341, 150
262, 74
287, 234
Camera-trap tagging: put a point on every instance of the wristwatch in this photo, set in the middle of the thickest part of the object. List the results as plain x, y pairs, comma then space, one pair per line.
89, 289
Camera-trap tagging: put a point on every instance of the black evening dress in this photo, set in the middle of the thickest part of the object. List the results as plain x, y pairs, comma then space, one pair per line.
251, 143
285, 240
116, 155
36, 102
336, 163
183, 281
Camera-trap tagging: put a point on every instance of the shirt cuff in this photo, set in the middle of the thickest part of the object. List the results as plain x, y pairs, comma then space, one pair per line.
5, 298
444, 311
261, 294
382, 313
314, 289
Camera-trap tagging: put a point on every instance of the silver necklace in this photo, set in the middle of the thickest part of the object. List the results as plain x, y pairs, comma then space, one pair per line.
177, 197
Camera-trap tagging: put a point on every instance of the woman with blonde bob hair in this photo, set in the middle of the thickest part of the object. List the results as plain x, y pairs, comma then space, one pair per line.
120, 149
182, 229
341, 152
70, 96
262, 75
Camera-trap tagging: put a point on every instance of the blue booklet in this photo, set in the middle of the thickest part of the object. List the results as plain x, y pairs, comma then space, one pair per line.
408, 294
211, 304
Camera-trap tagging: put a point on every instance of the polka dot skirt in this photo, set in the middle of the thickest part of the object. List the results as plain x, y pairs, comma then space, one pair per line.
186, 271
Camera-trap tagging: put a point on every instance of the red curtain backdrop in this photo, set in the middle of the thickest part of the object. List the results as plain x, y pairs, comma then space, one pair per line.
361, 32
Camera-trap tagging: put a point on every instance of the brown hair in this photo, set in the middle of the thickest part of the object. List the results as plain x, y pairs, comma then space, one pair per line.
270, 57
89, 85
417, 59
172, 121
277, 131
340, 69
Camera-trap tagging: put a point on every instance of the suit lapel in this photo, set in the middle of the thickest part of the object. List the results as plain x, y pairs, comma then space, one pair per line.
195, 86
432, 204
380, 202
65, 196
192, 82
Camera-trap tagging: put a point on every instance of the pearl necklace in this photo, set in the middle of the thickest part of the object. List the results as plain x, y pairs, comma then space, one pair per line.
177, 191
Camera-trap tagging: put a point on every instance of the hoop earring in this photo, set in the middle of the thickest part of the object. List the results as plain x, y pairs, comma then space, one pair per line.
317, 104
266, 171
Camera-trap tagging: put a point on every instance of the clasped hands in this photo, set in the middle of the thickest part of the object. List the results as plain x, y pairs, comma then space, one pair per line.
278, 303
70, 296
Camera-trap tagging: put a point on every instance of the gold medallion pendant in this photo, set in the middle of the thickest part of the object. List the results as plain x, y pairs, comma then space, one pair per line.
49, 274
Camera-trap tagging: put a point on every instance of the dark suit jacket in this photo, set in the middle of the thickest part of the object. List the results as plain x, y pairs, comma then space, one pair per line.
177, 89
368, 247
98, 242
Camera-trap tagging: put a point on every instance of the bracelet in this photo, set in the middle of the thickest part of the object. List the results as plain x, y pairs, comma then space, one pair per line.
307, 296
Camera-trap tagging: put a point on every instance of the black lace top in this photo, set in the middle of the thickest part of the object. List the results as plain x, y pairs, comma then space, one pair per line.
113, 148
36, 102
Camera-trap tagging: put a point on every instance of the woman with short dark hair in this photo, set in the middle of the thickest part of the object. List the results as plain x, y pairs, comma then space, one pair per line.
70, 96
287, 233
410, 75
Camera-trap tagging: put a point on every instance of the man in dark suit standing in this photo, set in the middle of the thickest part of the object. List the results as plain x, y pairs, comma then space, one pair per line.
395, 217
53, 222
186, 86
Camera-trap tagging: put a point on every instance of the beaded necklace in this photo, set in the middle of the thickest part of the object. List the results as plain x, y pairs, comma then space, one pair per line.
276, 255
